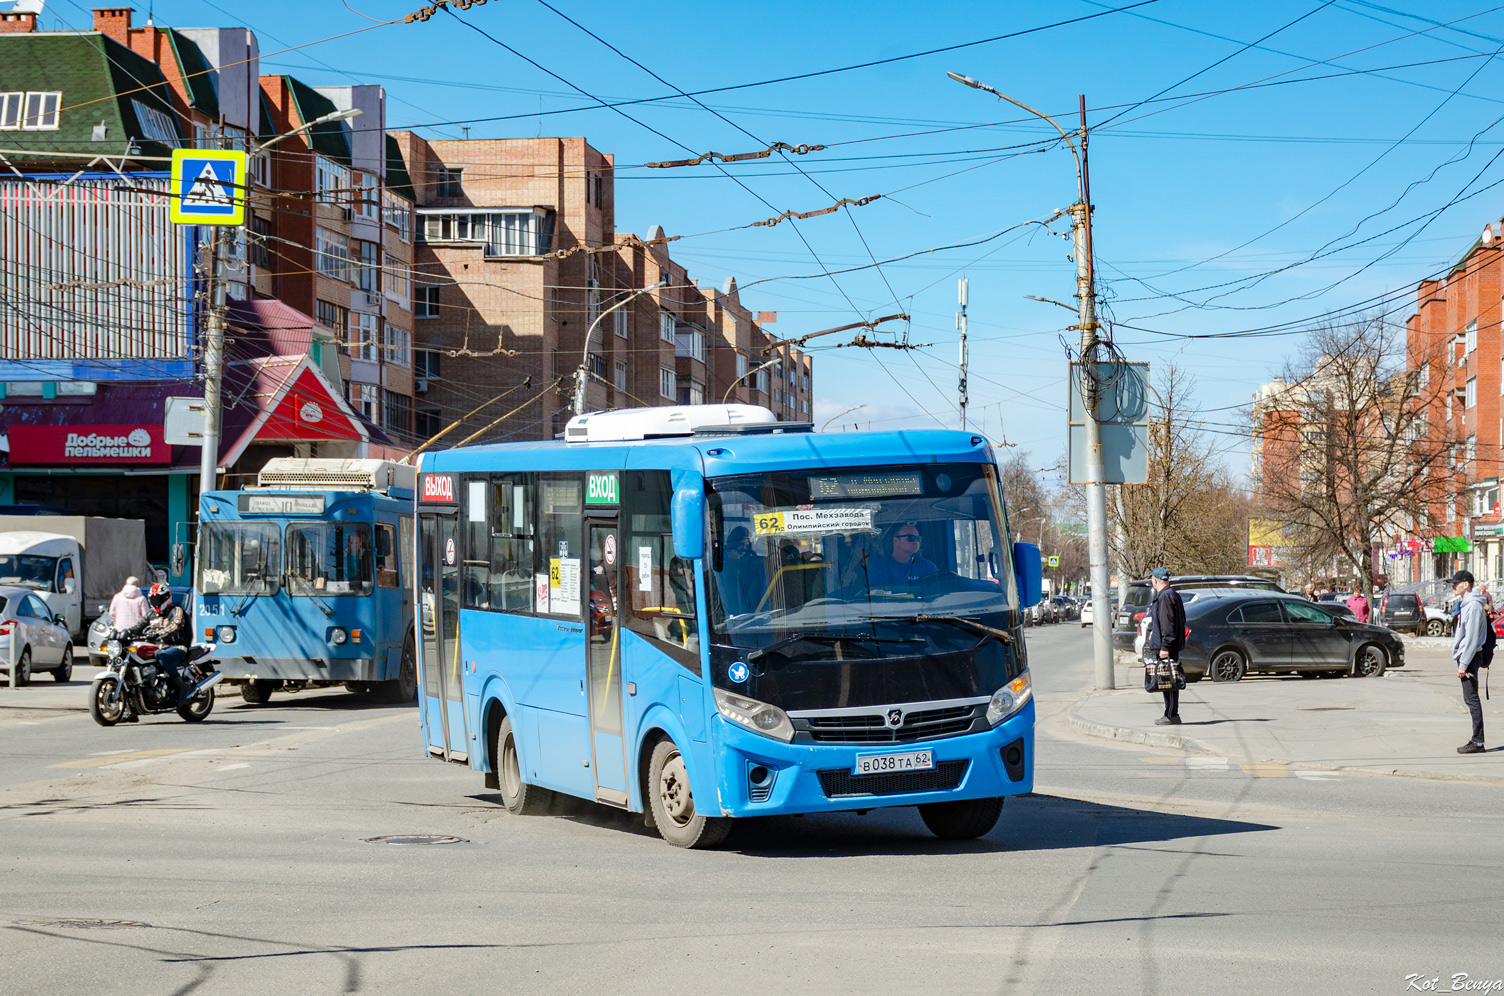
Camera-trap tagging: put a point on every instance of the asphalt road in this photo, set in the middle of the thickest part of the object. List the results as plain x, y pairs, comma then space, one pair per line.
232, 857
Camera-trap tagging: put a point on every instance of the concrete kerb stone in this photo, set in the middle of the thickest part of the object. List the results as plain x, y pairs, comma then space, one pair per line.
1150, 738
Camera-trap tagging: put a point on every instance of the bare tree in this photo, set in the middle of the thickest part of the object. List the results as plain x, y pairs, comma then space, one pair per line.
1345, 451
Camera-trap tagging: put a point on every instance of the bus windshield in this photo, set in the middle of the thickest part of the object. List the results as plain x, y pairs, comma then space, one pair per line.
901, 561
329, 558
239, 558
25, 569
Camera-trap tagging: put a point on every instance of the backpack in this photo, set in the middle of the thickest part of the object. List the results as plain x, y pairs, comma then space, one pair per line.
1485, 655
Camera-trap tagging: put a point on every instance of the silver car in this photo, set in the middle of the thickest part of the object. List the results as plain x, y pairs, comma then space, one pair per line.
32, 638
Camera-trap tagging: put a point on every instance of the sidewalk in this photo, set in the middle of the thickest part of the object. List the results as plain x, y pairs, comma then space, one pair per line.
1409, 722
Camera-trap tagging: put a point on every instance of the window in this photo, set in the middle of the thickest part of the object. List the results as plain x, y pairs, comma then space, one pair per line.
426, 364
329, 558
560, 509
399, 412
621, 376
447, 182
10, 110
388, 556
689, 340
260, 242
1305, 614
1449, 406
666, 326
660, 589
399, 345
155, 125
1470, 336
367, 196
397, 212
331, 181
425, 302
40, 110
600, 190
504, 233
427, 423
596, 364
332, 254
333, 317
239, 558
512, 568
741, 366
362, 341
366, 273
1470, 398
690, 392
1259, 612
619, 317
1472, 448
261, 168
363, 398
667, 387
397, 282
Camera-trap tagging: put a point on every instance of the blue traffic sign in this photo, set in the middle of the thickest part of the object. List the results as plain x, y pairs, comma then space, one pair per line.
208, 187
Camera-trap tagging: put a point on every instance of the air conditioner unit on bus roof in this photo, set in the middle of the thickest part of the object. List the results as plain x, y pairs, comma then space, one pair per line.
334, 474
674, 420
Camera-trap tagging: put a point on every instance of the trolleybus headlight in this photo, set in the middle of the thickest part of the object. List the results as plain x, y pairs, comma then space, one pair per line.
1009, 699
769, 720
337, 636
227, 634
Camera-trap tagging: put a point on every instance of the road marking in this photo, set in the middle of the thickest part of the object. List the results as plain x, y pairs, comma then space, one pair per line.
135, 755
1206, 763
107, 753
1160, 760
1265, 770
1318, 776
232, 767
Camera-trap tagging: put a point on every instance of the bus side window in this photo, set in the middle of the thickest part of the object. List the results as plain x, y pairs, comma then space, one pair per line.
386, 555
660, 587
512, 566
561, 511
476, 573
408, 548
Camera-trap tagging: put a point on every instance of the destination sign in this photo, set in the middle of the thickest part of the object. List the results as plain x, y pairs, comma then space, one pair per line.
280, 504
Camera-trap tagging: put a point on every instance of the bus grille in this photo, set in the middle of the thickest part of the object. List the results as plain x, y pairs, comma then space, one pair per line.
925, 724
839, 783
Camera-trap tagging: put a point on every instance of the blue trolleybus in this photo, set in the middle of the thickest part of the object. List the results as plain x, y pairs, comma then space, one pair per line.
300, 579
699, 614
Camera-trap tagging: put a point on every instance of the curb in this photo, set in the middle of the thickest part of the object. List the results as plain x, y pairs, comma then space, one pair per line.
1128, 735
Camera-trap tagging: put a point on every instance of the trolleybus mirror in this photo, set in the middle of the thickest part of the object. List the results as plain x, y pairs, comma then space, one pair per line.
688, 514
1029, 570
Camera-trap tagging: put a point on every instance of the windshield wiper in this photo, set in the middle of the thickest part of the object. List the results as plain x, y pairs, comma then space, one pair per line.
958, 621
827, 638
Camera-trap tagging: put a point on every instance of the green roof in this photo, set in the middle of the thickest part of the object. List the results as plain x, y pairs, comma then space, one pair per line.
397, 180
198, 75
327, 139
89, 69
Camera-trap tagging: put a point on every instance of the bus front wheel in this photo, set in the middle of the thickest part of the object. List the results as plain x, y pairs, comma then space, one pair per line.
966, 820
404, 688
520, 798
673, 804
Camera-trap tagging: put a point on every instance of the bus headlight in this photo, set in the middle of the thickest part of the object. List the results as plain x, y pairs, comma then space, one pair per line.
227, 634
1009, 699
337, 636
759, 717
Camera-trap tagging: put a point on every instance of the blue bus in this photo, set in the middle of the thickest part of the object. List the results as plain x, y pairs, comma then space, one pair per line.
300, 579
699, 614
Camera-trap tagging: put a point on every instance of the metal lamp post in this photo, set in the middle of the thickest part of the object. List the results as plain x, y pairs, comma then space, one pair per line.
582, 372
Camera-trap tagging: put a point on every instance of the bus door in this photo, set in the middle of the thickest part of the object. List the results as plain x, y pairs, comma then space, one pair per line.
439, 603
603, 662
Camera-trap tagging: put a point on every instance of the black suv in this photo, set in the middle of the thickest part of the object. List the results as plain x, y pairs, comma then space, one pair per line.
1401, 611
1141, 593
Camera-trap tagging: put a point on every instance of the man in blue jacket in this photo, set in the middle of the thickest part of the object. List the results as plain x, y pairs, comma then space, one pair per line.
1166, 638
1467, 640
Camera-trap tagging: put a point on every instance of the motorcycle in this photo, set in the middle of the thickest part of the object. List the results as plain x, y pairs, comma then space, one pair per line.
132, 684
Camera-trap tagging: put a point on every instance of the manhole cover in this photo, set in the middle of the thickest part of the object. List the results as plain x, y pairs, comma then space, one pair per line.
83, 923
1325, 709
416, 838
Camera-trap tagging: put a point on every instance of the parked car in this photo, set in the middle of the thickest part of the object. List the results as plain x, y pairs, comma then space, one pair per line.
32, 637
1065, 607
1234, 633
1086, 613
1438, 620
1401, 611
1140, 594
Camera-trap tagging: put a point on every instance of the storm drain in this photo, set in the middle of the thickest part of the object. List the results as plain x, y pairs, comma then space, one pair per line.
1325, 708
416, 838
83, 923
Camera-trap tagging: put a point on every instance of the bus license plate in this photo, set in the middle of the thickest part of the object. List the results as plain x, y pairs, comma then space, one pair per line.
881, 764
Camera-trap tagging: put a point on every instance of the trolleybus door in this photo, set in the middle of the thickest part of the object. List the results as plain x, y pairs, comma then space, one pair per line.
603, 662
439, 604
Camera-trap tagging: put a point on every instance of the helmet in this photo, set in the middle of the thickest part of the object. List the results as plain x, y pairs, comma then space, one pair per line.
159, 595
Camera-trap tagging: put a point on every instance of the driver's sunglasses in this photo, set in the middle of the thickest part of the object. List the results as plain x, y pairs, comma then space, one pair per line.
911, 537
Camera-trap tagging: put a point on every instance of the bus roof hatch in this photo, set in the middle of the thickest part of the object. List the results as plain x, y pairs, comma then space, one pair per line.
680, 420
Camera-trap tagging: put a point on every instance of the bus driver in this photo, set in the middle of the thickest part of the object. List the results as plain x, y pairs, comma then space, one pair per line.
903, 563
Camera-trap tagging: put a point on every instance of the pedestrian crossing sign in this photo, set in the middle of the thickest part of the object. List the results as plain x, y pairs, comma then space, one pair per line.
1054, 561
208, 187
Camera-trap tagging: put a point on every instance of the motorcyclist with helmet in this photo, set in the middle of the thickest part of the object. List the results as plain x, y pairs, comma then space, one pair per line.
167, 626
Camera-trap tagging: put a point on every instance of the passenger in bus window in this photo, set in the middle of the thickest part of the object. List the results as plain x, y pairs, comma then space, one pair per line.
743, 580
358, 558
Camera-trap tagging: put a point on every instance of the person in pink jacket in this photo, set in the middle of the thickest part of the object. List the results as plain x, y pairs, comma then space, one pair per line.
128, 607
1359, 605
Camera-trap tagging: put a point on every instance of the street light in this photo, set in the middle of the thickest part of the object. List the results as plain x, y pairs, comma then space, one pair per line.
760, 366
214, 328
582, 372
1096, 490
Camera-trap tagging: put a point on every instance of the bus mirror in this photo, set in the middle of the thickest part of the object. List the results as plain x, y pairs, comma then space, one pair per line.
688, 514
1029, 571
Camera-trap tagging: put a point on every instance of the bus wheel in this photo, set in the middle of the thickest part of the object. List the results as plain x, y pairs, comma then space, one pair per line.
520, 798
965, 820
404, 688
256, 691
673, 805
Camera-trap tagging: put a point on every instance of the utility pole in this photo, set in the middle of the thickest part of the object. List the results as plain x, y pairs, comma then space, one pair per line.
214, 361
1096, 489
961, 325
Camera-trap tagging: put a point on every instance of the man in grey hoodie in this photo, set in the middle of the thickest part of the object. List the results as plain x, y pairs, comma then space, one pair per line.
1472, 624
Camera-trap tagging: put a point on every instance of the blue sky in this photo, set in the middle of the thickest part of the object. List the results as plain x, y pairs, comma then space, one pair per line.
1196, 198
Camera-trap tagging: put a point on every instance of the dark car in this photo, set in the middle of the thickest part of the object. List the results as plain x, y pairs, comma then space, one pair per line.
1125, 619
1233, 633
1402, 612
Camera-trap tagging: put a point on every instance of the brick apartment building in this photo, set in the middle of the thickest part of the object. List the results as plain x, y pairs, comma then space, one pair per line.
518, 257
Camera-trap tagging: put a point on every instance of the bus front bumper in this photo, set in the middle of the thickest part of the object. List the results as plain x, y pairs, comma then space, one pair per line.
759, 776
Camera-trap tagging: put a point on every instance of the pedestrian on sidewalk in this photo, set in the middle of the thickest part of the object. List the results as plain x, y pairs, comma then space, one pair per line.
1310, 591
1472, 626
1359, 604
1166, 638
128, 607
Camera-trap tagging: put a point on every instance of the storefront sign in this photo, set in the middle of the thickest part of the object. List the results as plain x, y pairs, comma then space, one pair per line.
88, 444
1451, 544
